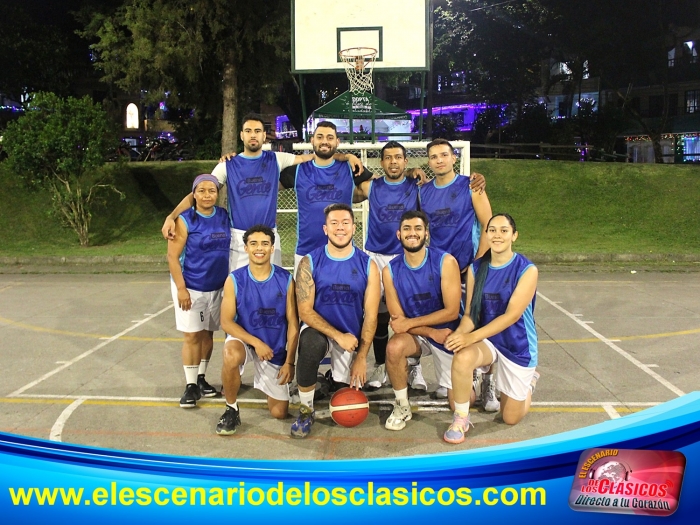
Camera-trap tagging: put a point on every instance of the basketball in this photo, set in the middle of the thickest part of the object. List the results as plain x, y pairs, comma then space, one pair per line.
349, 407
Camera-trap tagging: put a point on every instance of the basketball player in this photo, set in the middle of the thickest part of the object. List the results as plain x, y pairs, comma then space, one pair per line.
252, 182
500, 327
259, 314
389, 197
457, 218
198, 263
338, 298
423, 294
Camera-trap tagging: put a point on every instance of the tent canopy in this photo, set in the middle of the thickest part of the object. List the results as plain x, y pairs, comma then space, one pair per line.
339, 107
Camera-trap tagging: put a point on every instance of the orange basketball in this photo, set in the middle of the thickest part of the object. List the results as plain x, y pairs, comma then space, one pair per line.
349, 407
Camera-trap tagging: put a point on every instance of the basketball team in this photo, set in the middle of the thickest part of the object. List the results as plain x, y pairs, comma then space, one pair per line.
439, 270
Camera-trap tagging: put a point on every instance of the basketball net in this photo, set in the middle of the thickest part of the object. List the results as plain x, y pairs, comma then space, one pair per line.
359, 63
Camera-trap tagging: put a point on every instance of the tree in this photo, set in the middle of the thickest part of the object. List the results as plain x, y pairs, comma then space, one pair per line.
203, 54
61, 144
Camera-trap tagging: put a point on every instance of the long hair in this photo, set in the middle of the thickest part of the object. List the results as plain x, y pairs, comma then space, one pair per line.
481, 275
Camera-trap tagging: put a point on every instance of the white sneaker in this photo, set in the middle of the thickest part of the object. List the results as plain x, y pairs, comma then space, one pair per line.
415, 378
441, 392
399, 416
377, 377
477, 378
294, 392
488, 394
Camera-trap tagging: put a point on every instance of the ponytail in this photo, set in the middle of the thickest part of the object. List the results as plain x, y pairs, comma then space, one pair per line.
479, 281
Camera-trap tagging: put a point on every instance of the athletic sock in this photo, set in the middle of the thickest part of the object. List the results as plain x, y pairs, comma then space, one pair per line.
462, 408
191, 374
233, 405
381, 336
203, 366
307, 398
402, 396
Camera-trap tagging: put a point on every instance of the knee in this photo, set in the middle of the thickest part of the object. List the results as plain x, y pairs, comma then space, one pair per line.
394, 349
463, 360
234, 354
192, 338
512, 419
279, 410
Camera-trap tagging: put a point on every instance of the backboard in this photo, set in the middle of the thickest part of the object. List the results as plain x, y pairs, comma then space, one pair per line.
397, 29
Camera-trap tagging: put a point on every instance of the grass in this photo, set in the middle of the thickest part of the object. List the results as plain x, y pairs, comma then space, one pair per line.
560, 208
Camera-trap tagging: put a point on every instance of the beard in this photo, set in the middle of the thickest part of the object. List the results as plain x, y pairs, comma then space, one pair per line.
253, 149
340, 246
325, 156
394, 176
414, 249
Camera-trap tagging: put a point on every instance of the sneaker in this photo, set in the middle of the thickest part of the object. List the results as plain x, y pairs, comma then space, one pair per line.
441, 392
294, 392
415, 378
476, 384
460, 425
190, 397
229, 422
302, 426
377, 377
399, 416
205, 389
533, 383
488, 394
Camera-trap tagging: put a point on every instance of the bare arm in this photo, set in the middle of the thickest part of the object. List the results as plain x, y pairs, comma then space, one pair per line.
168, 229
482, 208
361, 192
358, 372
175, 247
232, 328
286, 373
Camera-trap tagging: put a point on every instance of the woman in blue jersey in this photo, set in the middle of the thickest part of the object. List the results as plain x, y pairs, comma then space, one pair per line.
198, 262
500, 326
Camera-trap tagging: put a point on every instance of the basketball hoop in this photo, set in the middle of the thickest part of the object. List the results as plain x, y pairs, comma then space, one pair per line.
359, 63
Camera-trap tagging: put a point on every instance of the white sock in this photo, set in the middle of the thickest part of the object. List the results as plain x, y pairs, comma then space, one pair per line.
462, 408
233, 405
307, 398
203, 366
191, 374
402, 396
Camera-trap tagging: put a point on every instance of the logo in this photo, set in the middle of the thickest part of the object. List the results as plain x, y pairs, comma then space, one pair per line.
620, 481
340, 294
267, 318
390, 213
254, 186
324, 193
444, 217
215, 242
423, 304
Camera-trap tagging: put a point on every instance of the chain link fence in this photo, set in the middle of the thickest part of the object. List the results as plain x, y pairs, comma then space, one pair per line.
369, 155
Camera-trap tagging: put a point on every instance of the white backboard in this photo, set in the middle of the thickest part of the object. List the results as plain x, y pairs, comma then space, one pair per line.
398, 29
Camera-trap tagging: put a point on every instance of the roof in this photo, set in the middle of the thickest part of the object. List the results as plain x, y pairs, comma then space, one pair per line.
339, 107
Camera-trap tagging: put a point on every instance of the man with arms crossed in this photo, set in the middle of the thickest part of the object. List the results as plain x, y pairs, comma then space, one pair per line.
338, 299
457, 217
252, 180
423, 294
259, 314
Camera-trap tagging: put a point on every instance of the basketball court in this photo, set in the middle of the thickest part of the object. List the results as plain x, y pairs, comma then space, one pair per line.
95, 360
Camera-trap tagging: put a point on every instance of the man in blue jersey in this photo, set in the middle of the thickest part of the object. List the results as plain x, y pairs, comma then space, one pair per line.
318, 184
338, 298
423, 295
259, 314
389, 198
252, 180
458, 217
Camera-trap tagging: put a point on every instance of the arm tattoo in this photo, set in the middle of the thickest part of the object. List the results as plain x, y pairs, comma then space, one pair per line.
304, 280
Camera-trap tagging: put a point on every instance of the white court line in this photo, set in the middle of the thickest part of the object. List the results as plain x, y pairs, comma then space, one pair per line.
57, 428
611, 411
87, 353
617, 349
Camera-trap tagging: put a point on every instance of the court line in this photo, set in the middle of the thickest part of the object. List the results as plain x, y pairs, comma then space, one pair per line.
57, 428
611, 411
617, 349
88, 352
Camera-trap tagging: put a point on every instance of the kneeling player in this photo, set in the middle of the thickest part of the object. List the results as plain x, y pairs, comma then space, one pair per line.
259, 314
423, 294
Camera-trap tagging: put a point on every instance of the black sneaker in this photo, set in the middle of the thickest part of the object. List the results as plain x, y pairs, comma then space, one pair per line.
205, 389
189, 398
229, 422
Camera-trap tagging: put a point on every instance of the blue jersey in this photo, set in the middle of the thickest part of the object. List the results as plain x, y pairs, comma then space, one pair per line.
251, 184
518, 342
261, 308
388, 201
316, 187
453, 224
204, 261
420, 289
340, 288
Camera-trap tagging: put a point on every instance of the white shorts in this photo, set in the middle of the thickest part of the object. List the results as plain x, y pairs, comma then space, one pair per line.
442, 361
265, 378
205, 313
341, 360
512, 379
238, 258
382, 261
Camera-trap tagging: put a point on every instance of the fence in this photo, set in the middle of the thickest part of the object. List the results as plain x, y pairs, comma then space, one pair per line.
368, 153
